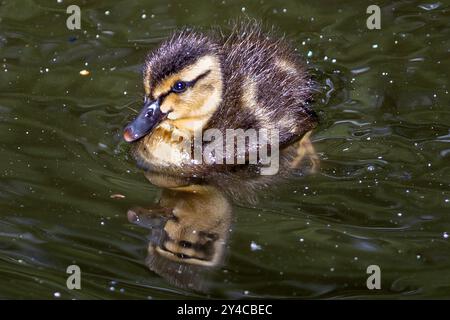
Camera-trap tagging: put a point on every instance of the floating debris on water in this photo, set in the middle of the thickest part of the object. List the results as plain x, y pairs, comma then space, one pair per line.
84, 72
254, 246
117, 196
429, 6
360, 70
57, 295
445, 235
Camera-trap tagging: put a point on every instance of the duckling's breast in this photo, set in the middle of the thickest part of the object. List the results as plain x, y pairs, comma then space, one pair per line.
164, 147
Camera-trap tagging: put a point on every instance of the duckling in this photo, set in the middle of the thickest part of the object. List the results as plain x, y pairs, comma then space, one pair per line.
194, 81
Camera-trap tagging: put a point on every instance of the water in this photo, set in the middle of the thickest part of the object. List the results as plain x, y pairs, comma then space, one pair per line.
381, 197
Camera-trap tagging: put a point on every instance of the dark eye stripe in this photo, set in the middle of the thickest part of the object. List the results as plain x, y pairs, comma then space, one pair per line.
189, 84
200, 77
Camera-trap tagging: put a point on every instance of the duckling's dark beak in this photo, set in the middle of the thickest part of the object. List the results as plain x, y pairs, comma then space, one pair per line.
147, 119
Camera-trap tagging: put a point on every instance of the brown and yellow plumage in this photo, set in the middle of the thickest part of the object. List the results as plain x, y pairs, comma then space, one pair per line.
248, 79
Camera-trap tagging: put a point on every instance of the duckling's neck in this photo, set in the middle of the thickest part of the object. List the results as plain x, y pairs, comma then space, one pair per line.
164, 147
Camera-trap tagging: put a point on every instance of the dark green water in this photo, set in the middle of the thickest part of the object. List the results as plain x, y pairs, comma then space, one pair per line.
382, 195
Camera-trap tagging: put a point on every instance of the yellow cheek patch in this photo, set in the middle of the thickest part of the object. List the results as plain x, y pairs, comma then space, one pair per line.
191, 109
188, 104
170, 101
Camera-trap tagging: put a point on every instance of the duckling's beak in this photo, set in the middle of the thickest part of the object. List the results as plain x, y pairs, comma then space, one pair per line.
147, 119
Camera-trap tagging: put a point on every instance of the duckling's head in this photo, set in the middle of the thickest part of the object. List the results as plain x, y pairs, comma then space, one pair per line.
183, 85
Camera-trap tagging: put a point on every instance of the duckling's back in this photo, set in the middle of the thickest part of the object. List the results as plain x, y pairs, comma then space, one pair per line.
266, 85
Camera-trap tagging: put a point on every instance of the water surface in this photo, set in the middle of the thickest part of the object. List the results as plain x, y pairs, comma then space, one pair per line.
382, 195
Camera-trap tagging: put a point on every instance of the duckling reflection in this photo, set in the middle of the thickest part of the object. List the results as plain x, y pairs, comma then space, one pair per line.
189, 229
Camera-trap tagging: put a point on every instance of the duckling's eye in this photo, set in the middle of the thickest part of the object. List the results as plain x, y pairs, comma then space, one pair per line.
179, 86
